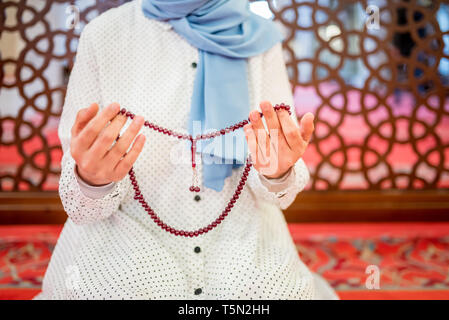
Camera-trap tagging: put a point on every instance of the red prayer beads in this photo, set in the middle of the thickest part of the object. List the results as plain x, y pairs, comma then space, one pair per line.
194, 188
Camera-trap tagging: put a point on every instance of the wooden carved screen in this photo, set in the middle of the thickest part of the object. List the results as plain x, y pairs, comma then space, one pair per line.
375, 73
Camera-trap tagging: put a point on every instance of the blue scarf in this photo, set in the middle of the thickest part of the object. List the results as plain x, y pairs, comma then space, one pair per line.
226, 33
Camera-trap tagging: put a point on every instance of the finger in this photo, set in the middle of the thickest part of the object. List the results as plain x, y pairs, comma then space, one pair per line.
307, 126
290, 130
263, 140
252, 142
91, 131
270, 116
119, 149
127, 162
83, 117
107, 137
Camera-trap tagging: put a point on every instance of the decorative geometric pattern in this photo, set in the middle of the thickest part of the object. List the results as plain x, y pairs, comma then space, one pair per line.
39, 40
379, 91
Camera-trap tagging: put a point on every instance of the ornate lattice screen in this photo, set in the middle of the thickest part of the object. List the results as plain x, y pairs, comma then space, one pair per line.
375, 73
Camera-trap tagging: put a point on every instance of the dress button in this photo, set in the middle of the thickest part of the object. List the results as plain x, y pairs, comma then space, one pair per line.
198, 291
197, 198
194, 65
197, 249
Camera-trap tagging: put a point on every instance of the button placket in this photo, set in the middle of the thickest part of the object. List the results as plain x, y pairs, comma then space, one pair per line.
198, 275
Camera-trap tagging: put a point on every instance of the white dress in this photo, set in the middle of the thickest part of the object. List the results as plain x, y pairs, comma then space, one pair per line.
109, 247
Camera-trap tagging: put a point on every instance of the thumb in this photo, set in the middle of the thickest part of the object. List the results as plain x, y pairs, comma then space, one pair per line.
83, 117
307, 126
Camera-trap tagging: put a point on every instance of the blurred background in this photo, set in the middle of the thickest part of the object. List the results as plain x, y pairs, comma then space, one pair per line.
375, 74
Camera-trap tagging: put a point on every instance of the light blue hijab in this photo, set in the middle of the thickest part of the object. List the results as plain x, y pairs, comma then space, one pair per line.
226, 33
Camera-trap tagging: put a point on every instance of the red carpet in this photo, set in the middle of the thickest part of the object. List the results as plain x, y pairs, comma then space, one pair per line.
413, 258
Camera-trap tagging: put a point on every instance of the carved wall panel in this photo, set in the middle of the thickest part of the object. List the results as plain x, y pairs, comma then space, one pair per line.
375, 73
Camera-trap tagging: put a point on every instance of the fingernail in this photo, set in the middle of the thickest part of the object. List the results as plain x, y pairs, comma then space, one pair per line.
254, 116
139, 120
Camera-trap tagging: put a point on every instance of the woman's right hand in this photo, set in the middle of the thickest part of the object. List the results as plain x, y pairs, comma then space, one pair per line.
94, 133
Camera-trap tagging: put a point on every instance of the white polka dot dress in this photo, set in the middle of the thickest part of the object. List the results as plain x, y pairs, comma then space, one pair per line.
109, 247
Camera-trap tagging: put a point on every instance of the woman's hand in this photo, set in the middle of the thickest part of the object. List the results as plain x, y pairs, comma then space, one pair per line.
275, 152
93, 134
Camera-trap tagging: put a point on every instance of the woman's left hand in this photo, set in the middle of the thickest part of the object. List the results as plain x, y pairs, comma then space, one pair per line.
274, 152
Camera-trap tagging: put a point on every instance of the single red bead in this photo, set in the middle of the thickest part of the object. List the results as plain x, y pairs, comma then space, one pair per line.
214, 224
181, 233
222, 131
197, 189
196, 233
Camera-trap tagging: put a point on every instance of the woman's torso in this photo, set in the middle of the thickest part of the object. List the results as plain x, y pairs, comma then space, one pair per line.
149, 69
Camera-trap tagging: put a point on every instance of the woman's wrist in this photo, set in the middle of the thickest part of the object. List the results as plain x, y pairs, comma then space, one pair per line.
91, 191
89, 181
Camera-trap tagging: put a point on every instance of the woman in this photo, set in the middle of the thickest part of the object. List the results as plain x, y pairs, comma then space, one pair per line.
179, 64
